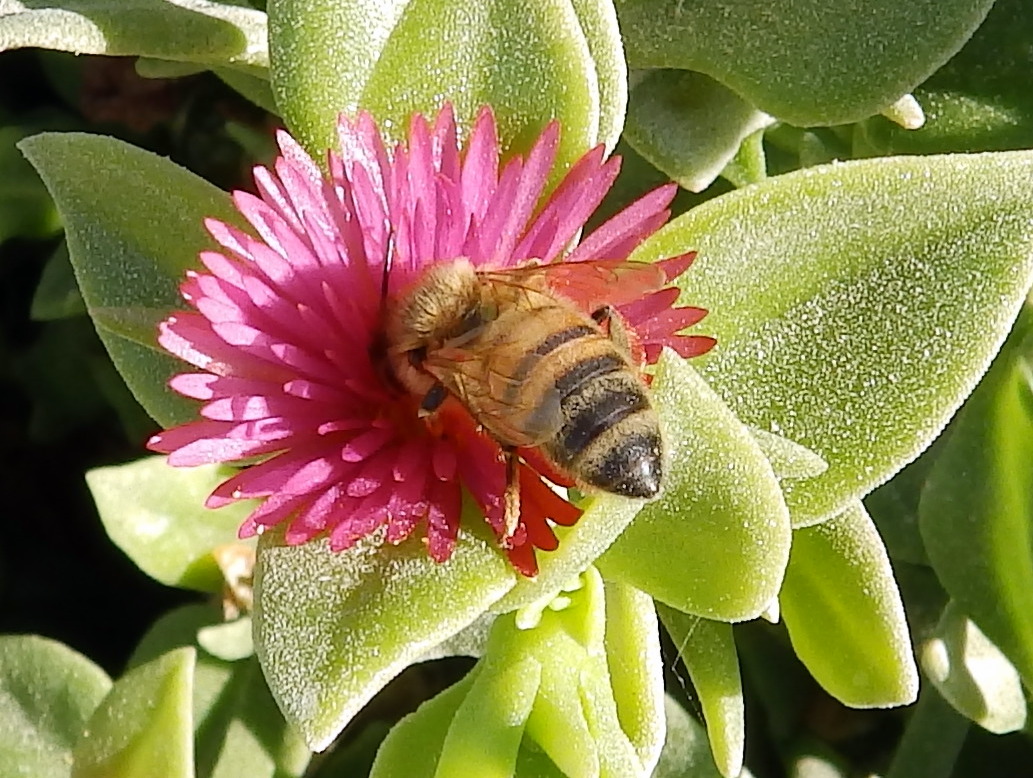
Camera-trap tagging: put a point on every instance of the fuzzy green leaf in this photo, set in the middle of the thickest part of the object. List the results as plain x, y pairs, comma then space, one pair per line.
978, 101
844, 614
636, 668
145, 724
574, 714
156, 515
708, 650
973, 675
976, 511
688, 125
540, 68
134, 224
543, 696
186, 30
807, 62
332, 629
47, 693
239, 731
856, 305
599, 23
531, 61
408, 749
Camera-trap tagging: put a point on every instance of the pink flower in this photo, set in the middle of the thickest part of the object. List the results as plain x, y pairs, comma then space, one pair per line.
287, 325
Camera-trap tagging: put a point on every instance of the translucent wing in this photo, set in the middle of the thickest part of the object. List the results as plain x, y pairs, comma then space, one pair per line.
498, 401
592, 284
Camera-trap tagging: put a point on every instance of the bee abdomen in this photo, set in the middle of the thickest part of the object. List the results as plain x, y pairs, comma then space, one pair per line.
631, 463
611, 436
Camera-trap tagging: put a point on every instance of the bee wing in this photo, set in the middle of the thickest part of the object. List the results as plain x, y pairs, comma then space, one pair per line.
498, 401
590, 284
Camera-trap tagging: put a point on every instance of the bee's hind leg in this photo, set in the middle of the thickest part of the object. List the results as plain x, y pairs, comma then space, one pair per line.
613, 324
511, 501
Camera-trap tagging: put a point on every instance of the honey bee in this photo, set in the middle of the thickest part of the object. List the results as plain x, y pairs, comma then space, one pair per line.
533, 368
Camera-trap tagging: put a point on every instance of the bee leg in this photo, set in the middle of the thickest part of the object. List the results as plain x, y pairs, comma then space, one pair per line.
433, 399
512, 494
608, 318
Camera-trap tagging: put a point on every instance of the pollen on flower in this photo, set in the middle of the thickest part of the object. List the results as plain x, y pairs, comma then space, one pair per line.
365, 394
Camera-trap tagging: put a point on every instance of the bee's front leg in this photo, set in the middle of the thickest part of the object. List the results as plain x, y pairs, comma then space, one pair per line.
433, 399
512, 495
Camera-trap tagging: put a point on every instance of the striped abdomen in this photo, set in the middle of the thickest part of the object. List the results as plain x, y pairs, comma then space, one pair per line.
608, 435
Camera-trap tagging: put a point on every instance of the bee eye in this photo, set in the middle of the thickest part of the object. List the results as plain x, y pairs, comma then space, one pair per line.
472, 319
418, 356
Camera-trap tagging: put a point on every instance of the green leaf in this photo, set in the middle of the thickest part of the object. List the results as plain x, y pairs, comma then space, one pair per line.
322, 54
540, 69
332, 629
686, 752
689, 125
186, 30
144, 726
844, 614
156, 515
255, 88
412, 746
708, 650
231, 641
134, 224
25, 207
409, 747
856, 305
57, 295
978, 101
487, 726
932, 740
47, 693
599, 23
750, 164
636, 668
543, 696
788, 459
715, 543
976, 509
574, 713
973, 675
238, 730
808, 62
894, 507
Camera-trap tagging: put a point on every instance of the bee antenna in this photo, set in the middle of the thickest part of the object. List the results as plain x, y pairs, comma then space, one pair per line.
388, 262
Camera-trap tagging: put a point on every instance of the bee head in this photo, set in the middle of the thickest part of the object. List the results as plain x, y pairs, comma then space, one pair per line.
442, 304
